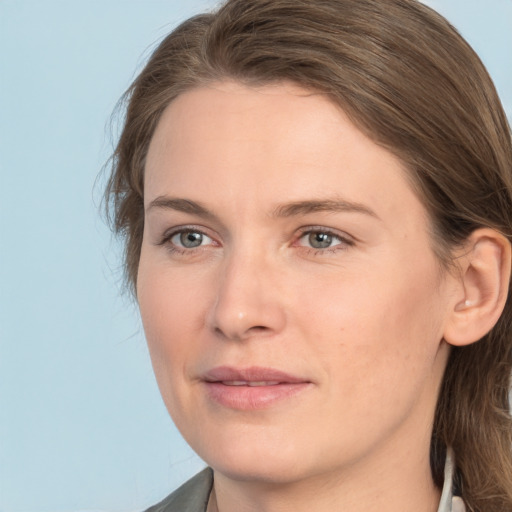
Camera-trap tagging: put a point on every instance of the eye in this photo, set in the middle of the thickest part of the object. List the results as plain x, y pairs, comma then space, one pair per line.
319, 239
189, 239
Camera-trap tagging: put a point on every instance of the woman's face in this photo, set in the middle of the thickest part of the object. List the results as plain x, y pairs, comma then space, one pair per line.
292, 303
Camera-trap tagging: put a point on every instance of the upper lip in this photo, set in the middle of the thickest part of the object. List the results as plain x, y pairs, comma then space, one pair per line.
250, 374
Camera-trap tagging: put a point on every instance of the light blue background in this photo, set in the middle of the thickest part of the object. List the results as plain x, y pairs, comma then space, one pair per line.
82, 426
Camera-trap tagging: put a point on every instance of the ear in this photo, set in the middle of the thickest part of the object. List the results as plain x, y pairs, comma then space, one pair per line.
481, 287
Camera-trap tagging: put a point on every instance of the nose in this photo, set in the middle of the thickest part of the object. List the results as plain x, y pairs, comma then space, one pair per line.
248, 302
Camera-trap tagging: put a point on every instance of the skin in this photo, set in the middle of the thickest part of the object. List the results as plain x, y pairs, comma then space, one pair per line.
361, 320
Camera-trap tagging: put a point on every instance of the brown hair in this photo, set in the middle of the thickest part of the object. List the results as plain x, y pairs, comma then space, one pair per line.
409, 81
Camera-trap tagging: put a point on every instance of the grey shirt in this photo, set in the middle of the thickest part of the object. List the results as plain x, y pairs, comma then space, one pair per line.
193, 495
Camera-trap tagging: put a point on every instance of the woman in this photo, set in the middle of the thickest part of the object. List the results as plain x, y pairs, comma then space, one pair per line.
317, 203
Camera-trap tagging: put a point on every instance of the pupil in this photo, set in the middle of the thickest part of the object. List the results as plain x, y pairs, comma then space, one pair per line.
191, 239
320, 240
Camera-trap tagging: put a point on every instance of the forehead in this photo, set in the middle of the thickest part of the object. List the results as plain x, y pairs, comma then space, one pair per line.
226, 116
230, 143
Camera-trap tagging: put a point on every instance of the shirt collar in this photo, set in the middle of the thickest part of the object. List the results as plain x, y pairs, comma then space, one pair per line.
449, 503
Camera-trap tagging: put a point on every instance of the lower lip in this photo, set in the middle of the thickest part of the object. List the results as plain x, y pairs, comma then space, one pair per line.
249, 398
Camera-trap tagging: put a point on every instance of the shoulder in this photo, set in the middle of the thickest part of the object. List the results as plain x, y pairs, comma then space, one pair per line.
192, 496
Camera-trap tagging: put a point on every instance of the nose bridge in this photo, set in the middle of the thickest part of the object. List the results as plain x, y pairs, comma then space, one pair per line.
248, 300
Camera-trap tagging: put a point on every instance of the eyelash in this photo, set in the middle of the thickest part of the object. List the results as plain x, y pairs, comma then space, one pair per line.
344, 241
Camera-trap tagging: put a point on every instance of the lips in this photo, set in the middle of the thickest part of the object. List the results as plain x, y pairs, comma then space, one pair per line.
250, 383
251, 388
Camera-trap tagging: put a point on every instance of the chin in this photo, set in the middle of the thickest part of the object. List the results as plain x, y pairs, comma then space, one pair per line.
249, 453
267, 457
265, 470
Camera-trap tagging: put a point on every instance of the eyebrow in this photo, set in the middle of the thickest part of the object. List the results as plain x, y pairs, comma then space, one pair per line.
322, 205
283, 210
180, 205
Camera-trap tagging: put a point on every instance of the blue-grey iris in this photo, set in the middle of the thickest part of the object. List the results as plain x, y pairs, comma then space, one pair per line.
320, 240
191, 239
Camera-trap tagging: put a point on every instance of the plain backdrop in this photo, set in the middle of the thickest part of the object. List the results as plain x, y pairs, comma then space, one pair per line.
82, 425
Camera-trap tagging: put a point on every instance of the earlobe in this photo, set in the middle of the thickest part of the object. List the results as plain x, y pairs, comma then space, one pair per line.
482, 287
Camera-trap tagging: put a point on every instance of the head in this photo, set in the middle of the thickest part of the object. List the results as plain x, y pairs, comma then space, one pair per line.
406, 81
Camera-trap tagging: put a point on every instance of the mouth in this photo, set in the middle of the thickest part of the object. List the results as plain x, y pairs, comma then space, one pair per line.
251, 388
250, 383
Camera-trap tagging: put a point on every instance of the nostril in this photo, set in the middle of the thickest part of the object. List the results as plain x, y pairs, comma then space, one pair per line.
241, 334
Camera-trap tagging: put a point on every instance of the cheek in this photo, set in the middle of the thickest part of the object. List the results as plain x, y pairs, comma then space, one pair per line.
379, 330
172, 311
